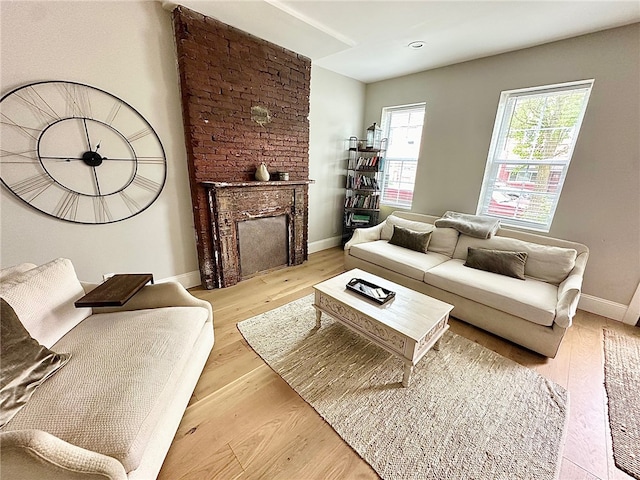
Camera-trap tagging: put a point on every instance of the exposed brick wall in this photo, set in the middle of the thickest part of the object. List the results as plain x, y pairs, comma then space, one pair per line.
225, 74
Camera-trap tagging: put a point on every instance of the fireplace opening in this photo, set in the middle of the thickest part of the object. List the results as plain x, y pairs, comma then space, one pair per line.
263, 244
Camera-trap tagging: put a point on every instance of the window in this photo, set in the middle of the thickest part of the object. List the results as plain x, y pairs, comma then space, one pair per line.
402, 127
533, 139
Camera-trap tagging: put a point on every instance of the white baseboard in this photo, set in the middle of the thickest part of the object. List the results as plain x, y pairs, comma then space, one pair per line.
633, 312
187, 280
600, 306
314, 247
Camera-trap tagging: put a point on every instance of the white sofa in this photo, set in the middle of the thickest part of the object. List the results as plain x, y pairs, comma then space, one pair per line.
112, 410
534, 313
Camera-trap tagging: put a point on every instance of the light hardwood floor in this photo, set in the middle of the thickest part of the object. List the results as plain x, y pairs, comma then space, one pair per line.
245, 422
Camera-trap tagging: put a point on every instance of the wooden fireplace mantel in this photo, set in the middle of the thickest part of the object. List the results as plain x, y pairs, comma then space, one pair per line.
271, 183
233, 202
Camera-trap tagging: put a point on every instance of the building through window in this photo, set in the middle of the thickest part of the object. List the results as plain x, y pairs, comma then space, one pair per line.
534, 136
402, 126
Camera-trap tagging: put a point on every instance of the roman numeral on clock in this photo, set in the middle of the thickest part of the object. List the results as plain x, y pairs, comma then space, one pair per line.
30, 132
101, 210
147, 184
68, 206
27, 157
33, 186
131, 204
38, 105
77, 100
138, 135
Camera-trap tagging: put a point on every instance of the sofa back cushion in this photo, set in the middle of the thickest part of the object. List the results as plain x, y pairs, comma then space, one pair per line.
544, 262
43, 300
6, 274
443, 240
392, 220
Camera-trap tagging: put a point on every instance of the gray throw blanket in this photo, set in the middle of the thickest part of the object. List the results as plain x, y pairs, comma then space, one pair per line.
472, 225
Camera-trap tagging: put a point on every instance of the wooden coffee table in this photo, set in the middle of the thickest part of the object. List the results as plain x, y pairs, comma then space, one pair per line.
406, 326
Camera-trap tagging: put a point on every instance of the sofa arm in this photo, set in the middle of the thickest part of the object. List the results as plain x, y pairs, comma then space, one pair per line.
38, 455
363, 235
569, 293
159, 295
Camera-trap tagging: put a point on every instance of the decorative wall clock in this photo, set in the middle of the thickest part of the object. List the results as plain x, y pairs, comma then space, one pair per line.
78, 153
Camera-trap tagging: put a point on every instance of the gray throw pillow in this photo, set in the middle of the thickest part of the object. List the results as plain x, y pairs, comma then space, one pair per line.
25, 364
503, 262
403, 237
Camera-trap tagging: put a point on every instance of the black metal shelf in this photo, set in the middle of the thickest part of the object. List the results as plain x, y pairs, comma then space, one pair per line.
356, 152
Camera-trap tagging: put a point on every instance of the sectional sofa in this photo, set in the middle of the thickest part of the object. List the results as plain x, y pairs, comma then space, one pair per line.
534, 311
106, 388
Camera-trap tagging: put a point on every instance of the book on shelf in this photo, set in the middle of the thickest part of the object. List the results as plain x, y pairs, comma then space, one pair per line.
367, 162
357, 220
362, 201
365, 182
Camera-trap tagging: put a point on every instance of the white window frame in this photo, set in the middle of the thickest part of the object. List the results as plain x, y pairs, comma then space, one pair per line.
500, 129
385, 126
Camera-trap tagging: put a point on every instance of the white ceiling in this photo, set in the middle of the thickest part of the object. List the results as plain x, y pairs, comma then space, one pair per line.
367, 40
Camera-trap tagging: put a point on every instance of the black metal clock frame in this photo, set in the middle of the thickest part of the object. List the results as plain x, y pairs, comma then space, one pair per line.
18, 163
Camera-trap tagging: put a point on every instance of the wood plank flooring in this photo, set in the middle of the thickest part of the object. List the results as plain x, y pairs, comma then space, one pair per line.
245, 422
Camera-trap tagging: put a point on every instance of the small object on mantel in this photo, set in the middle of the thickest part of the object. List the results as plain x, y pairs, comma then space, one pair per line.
262, 174
284, 176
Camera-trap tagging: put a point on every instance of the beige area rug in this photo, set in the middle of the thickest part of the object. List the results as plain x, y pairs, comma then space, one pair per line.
622, 383
468, 414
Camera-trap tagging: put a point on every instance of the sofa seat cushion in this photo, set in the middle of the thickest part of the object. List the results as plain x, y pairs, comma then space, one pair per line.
136, 358
397, 259
530, 299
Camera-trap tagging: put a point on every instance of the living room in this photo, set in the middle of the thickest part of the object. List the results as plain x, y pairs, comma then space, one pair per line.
128, 49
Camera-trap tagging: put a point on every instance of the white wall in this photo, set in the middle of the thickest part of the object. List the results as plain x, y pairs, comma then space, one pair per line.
600, 202
127, 49
336, 109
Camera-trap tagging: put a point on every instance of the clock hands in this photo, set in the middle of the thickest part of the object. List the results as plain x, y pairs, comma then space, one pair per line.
69, 159
95, 178
93, 167
86, 131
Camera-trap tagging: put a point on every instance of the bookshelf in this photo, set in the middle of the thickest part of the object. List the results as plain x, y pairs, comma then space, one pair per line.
365, 167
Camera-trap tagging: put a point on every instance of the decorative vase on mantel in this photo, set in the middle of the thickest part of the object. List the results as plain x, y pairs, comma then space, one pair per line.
262, 174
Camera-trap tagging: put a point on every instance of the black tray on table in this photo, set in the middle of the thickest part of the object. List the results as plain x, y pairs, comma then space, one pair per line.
368, 290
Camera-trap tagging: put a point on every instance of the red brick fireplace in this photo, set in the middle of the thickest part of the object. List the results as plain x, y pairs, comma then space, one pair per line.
244, 101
